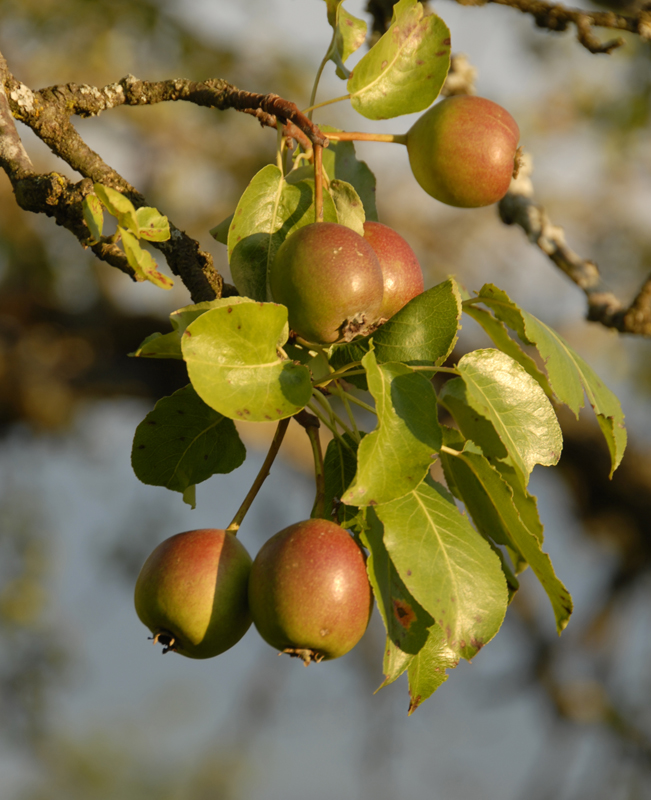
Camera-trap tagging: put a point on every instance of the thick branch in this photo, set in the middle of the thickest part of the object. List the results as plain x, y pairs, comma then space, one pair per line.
519, 208
556, 17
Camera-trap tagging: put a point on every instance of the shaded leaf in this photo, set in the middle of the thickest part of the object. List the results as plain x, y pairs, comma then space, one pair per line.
405, 620
423, 332
236, 364
405, 70
339, 465
183, 442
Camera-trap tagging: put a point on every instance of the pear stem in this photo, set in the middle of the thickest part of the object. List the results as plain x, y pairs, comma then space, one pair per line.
260, 477
358, 136
318, 183
318, 509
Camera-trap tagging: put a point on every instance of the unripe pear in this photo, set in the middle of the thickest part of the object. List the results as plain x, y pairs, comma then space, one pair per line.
463, 151
330, 279
403, 277
309, 593
192, 592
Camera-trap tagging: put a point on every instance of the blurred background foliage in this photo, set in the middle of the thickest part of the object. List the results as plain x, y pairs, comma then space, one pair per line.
68, 322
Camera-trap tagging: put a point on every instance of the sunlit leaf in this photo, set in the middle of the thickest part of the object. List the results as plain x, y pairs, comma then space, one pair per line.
168, 345
396, 456
446, 566
490, 501
142, 262
349, 35
350, 209
427, 670
119, 206
502, 391
341, 163
236, 364
267, 213
93, 216
569, 375
152, 225
405, 70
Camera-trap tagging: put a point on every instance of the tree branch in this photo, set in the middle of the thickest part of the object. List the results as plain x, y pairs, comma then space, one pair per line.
47, 112
518, 207
556, 17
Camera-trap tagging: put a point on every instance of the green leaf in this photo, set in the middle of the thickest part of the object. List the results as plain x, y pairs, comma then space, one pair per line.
93, 216
339, 466
569, 375
424, 332
397, 455
267, 213
405, 70
446, 566
427, 670
341, 163
490, 501
220, 231
183, 442
498, 333
350, 209
405, 620
142, 261
236, 364
168, 345
152, 225
502, 391
349, 35
119, 206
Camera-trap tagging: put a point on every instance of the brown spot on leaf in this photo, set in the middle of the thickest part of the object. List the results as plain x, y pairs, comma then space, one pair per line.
404, 613
446, 41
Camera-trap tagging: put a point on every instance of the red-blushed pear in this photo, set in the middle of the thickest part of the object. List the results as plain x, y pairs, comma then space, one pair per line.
192, 592
330, 279
463, 151
403, 277
309, 593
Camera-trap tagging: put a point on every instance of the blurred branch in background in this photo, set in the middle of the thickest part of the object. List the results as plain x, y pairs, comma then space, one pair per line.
518, 207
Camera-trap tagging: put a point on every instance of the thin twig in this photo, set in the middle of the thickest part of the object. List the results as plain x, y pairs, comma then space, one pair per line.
557, 17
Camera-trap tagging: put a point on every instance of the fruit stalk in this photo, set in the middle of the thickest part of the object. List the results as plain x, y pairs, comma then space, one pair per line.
260, 477
358, 136
318, 183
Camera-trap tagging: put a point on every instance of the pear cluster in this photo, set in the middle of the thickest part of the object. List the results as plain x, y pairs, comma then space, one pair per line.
338, 284
307, 592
